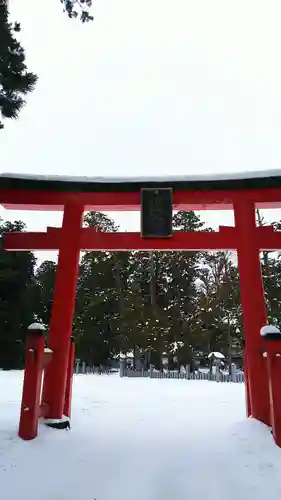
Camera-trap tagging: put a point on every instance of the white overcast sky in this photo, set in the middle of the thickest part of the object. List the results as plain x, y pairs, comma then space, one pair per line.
151, 87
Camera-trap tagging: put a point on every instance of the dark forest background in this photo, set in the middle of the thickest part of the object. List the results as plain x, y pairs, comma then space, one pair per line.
146, 302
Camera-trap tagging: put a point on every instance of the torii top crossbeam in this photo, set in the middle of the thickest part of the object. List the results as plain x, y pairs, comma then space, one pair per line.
208, 192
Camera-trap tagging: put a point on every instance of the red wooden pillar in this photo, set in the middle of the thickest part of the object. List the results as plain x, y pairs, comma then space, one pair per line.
68, 389
254, 309
62, 311
274, 370
247, 386
30, 406
272, 342
274, 373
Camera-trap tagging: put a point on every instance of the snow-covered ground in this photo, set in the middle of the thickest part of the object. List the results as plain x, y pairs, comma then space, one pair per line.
140, 439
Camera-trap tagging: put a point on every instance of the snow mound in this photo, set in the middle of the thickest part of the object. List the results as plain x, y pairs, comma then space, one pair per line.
37, 326
217, 355
269, 330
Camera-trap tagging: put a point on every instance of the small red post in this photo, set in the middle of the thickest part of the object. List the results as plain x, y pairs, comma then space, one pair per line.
254, 309
272, 338
68, 389
62, 311
30, 407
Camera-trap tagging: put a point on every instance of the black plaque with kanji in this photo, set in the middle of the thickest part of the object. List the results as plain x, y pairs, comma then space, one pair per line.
156, 212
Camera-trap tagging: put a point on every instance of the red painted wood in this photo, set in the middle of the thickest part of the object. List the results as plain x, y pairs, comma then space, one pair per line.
30, 407
62, 311
273, 360
30, 240
43, 410
247, 386
68, 390
185, 200
254, 309
225, 239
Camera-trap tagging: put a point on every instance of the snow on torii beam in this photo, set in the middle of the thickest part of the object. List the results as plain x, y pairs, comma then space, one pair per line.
191, 192
226, 238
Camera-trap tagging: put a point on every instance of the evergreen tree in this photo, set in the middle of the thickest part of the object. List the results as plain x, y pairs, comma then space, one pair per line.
15, 80
180, 303
97, 316
78, 9
17, 292
271, 268
166, 283
45, 279
183, 273
219, 308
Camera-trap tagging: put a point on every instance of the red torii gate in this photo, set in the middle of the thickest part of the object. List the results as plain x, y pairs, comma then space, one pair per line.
241, 193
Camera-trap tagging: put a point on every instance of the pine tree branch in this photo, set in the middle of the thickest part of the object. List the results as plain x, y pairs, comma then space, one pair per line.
76, 8
15, 80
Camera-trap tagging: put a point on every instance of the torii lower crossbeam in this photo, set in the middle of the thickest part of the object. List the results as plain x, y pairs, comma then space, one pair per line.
227, 238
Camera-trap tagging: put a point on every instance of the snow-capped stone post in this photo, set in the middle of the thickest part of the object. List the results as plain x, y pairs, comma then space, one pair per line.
34, 360
218, 373
272, 355
77, 364
216, 360
122, 359
233, 372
